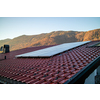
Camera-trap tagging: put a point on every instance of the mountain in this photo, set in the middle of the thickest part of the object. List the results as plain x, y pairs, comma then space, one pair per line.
55, 37
4, 41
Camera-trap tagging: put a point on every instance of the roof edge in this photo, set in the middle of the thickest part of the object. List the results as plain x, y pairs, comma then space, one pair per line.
85, 72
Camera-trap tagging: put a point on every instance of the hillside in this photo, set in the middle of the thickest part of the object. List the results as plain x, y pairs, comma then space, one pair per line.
55, 37
4, 41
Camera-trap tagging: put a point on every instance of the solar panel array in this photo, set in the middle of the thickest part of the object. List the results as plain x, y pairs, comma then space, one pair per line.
51, 51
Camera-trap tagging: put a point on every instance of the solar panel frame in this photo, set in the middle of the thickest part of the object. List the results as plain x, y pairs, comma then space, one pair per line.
51, 51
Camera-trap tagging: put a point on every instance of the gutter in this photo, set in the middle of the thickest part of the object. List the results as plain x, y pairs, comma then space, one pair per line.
79, 78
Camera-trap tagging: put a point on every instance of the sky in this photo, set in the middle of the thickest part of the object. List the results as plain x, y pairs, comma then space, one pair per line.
11, 27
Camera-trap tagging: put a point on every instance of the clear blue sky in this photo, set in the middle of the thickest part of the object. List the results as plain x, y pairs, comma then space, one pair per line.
11, 27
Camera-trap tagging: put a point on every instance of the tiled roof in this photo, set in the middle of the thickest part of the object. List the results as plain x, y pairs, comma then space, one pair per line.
57, 69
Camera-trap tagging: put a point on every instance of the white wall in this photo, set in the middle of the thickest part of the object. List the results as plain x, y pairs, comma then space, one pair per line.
91, 78
98, 70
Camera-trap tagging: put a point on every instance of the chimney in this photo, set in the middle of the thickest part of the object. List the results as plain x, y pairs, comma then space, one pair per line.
6, 49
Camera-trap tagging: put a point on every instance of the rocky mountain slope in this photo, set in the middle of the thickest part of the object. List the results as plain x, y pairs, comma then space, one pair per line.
55, 37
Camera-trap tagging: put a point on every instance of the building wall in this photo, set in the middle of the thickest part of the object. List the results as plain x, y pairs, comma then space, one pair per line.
98, 70
91, 78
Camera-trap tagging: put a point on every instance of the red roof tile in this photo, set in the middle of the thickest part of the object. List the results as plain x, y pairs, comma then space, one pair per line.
53, 70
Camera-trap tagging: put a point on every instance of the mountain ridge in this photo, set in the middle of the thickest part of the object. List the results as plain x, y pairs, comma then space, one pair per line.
52, 38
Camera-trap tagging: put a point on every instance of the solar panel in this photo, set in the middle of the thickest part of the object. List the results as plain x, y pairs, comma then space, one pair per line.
51, 51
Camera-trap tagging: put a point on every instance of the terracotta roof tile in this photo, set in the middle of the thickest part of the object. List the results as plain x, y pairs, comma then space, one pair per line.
54, 70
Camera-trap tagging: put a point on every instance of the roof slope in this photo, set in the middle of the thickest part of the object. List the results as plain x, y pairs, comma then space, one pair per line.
57, 69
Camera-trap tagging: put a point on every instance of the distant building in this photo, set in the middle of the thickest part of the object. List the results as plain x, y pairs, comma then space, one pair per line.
4, 49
